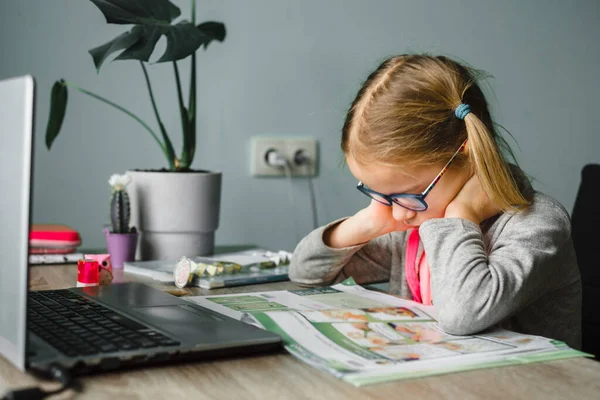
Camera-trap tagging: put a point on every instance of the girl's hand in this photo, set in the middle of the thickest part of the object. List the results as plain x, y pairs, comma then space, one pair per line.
471, 203
370, 222
378, 220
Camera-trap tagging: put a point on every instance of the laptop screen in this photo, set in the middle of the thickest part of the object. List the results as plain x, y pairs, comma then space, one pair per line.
16, 125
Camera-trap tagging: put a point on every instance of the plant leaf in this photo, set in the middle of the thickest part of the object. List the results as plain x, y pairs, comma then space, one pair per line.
182, 40
143, 48
152, 19
137, 11
58, 107
123, 41
213, 31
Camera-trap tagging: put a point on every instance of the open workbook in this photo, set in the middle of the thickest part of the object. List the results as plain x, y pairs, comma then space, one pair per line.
366, 337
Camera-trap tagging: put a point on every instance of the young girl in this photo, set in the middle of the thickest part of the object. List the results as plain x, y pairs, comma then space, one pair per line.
450, 222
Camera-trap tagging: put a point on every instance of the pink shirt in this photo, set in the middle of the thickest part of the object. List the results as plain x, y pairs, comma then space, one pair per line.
417, 270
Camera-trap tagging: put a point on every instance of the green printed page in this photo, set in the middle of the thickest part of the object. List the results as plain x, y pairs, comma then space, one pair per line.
271, 326
372, 310
346, 300
366, 338
237, 299
296, 349
333, 334
305, 354
374, 314
336, 298
310, 358
364, 379
248, 304
257, 307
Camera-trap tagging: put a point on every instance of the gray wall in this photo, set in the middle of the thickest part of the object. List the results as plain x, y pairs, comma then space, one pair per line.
290, 68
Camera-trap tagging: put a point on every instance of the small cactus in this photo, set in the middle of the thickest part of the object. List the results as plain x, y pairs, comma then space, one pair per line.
119, 204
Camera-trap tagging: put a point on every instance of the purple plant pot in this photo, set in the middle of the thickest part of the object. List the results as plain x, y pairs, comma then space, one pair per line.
121, 247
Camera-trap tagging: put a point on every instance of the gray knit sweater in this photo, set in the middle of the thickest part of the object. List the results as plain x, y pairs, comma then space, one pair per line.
515, 271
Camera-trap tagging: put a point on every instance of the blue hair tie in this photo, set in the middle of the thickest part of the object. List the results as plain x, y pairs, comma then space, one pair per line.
462, 110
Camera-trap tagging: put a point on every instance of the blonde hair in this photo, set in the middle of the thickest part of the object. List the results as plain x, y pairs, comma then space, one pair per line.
404, 114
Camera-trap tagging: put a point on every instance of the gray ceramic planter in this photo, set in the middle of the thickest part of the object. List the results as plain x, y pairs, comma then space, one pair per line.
176, 213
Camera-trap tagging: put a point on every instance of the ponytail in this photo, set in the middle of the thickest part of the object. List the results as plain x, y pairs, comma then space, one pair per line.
490, 167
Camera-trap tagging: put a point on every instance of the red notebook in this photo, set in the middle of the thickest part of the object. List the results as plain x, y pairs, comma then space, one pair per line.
53, 239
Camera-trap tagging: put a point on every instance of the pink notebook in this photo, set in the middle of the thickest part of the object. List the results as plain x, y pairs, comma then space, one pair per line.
53, 239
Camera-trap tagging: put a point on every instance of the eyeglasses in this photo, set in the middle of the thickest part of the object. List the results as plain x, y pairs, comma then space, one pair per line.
413, 202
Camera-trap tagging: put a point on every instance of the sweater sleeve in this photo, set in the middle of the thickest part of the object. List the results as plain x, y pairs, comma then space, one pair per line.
474, 288
314, 263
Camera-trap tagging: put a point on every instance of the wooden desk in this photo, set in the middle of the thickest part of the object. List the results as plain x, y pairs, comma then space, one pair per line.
281, 376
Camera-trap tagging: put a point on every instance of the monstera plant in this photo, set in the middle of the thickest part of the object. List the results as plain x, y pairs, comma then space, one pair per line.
175, 209
151, 19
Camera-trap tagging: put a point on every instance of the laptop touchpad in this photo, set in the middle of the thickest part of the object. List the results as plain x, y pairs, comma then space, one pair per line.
180, 320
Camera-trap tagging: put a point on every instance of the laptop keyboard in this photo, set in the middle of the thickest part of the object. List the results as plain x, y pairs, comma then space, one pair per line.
77, 326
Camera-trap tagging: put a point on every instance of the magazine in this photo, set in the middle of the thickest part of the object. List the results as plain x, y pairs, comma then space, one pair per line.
366, 337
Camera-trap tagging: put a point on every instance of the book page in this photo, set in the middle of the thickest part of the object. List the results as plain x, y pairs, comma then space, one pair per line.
365, 336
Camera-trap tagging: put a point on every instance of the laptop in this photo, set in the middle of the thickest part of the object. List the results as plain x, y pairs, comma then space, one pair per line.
92, 329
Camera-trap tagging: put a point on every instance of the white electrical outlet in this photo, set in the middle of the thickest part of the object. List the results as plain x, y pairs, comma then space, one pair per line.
287, 147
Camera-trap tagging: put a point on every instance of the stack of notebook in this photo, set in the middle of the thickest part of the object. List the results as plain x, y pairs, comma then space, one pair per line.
255, 266
53, 244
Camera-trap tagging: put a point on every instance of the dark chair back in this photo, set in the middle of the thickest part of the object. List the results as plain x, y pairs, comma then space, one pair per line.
585, 221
